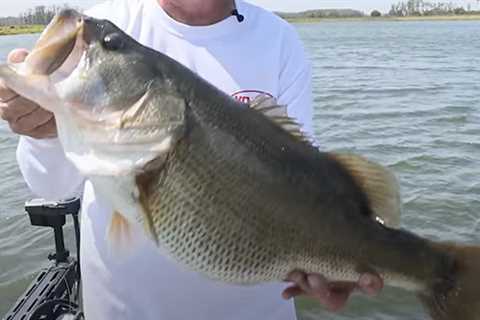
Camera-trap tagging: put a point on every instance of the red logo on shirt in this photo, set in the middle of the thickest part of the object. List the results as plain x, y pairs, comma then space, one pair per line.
246, 96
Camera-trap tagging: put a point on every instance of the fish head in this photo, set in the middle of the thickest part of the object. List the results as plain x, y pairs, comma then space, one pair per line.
118, 111
109, 98
90, 64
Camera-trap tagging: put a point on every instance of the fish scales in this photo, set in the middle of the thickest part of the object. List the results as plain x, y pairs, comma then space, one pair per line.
218, 210
238, 240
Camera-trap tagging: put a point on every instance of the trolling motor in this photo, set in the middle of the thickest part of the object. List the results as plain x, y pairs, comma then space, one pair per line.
55, 292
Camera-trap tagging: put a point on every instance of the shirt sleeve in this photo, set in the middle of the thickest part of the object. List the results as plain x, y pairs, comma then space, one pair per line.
296, 82
46, 170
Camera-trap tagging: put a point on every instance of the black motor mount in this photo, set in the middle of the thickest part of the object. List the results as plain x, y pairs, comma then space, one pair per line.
55, 291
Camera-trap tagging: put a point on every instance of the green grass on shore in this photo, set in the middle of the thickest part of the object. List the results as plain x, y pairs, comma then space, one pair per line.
388, 18
12, 30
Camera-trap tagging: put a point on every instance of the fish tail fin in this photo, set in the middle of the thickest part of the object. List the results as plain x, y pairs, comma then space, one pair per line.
455, 294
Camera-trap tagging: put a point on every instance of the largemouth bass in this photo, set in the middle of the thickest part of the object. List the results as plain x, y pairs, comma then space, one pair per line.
232, 191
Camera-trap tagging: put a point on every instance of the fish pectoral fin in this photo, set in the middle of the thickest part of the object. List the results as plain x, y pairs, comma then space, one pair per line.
134, 111
380, 186
269, 107
120, 234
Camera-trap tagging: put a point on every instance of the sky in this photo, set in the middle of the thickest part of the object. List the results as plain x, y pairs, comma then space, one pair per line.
8, 9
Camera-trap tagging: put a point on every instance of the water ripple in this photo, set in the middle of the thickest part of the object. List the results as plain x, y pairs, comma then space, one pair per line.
404, 95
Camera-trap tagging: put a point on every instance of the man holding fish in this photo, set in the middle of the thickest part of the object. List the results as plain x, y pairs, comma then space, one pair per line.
241, 49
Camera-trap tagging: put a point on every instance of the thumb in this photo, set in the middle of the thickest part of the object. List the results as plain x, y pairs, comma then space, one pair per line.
17, 55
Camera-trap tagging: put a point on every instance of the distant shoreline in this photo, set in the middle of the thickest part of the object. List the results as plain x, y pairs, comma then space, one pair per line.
30, 29
385, 18
17, 30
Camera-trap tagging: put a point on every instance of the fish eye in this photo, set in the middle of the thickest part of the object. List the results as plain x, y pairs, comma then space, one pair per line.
113, 41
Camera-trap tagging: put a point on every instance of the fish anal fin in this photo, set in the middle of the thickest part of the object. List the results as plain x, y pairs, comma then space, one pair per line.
379, 184
278, 114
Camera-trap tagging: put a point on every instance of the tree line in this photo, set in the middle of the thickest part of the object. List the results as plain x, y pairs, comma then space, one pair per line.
322, 13
425, 8
40, 15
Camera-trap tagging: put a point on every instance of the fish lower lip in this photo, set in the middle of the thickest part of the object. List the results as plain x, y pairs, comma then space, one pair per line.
56, 44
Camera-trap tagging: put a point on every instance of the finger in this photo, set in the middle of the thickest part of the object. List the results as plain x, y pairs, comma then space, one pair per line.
30, 122
300, 279
370, 284
336, 300
17, 55
342, 286
6, 95
5, 112
9, 96
292, 292
17, 108
47, 130
318, 285
334, 295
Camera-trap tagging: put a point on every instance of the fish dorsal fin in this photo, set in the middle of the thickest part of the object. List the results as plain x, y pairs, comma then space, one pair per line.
380, 186
269, 107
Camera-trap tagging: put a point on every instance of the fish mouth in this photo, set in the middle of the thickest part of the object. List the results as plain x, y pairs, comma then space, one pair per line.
66, 34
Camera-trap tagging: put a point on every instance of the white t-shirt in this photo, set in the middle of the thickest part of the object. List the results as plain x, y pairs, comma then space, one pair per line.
261, 54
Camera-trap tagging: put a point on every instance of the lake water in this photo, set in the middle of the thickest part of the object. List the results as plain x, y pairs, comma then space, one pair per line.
403, 93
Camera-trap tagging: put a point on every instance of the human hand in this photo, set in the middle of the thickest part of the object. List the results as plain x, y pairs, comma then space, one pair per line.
333, 295
24, 116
